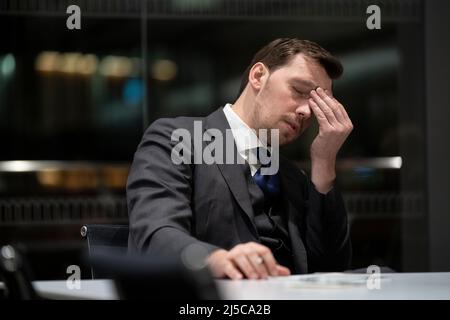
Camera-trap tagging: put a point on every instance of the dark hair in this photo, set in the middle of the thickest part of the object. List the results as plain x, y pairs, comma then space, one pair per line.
280, 51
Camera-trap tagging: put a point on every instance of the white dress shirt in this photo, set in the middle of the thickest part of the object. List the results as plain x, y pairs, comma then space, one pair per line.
245, 138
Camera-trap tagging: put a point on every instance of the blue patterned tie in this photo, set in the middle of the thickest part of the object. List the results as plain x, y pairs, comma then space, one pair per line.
269, 184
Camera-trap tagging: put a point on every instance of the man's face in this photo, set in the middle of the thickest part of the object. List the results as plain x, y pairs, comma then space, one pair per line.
282, 101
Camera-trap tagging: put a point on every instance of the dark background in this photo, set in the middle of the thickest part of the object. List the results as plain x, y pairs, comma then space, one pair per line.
74, 104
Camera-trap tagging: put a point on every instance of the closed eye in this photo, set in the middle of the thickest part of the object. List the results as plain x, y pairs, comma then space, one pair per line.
301, 93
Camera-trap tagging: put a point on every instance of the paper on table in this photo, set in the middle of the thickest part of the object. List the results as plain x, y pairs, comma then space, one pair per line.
329, 280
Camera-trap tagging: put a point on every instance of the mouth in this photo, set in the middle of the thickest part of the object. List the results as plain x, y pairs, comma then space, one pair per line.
293, 126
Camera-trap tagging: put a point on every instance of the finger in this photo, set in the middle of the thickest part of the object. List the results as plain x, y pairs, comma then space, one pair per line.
232, 272
320, 116
268, 259
259, 265
338, 104
327, 110
333, 104
283, 271
245, 266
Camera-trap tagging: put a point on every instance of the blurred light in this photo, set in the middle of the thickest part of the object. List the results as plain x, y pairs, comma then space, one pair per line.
114, 66
48, 61
88, 64
81, 179
381, 163
164, 70
396, 162
69, 62
8, 65
132, 91
73, 180
50, 178
371, 163
17, 166
114, 177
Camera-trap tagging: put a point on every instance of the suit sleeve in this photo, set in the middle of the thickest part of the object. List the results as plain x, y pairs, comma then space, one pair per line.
327, 238
159, 195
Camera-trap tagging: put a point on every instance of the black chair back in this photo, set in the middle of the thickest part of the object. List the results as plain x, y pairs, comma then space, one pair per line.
105, 238
141, 276
155, 277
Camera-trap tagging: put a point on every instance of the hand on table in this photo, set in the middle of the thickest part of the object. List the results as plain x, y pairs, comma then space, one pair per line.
248, 260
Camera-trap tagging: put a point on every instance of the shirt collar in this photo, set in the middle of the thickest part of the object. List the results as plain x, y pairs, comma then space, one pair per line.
244, 136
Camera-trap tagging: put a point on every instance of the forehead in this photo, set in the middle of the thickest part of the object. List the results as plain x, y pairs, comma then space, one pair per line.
307, 71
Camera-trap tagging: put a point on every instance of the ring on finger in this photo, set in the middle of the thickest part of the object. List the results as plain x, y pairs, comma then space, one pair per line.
259, 260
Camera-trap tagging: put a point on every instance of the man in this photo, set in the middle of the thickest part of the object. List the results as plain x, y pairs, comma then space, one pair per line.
251, 226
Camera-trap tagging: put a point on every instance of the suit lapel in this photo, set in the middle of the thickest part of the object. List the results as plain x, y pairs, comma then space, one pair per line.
234, 176
232, 173
295, 210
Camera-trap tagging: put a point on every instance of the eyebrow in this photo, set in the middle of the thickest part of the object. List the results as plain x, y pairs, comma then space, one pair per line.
308, 83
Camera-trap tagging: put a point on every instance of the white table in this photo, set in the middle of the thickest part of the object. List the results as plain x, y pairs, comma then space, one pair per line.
89, 289
393, 286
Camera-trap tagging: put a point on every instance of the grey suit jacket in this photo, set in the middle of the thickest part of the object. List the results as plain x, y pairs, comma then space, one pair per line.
172, 206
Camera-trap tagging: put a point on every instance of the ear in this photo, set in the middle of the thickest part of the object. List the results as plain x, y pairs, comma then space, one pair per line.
258, 75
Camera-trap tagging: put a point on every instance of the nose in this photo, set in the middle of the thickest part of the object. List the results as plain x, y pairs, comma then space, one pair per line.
303, 110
